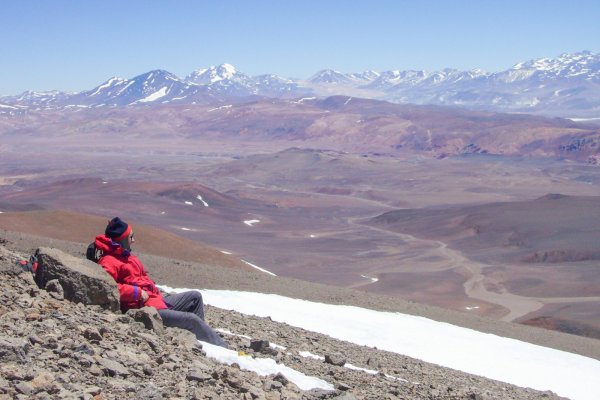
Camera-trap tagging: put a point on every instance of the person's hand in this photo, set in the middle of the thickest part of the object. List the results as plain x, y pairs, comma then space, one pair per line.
144, 296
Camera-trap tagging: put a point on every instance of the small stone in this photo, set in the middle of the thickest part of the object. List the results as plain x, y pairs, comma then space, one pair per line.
197, 375
111, 367
14, 350
170, 366
335, 359
281, 378
24, 388
275, 385
93, 390
259, 345
45, 382
149, 317
55, 289
373, 363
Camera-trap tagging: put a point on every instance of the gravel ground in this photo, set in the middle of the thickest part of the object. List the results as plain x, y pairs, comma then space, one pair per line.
53, 348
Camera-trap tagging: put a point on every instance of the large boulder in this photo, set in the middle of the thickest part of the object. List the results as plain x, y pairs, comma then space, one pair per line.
82, 280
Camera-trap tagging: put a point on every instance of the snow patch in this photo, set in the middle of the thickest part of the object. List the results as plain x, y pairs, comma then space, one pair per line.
258, 268
226, 252
264, 366
302, 100
227, 332
251, 222
355, 368
203, 202
504, 359
220, 108
9, 107
107, 84
471, 308
189, 203
583, 119
155, 96
277, 346
185, 229
308, 354
373, 280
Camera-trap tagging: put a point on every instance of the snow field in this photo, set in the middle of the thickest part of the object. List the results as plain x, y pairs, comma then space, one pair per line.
495, 357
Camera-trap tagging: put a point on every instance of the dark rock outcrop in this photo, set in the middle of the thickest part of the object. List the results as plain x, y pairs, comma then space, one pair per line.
82, 281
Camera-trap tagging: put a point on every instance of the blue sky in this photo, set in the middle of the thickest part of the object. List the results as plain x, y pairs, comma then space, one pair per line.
75, 45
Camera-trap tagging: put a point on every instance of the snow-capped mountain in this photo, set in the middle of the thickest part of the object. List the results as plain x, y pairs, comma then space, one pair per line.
568, 85
330, 76
214, 74
153, 86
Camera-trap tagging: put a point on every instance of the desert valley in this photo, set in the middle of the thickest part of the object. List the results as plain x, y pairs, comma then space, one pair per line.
481, 212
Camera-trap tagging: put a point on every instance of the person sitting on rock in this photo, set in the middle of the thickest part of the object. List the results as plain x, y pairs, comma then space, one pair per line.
183, 310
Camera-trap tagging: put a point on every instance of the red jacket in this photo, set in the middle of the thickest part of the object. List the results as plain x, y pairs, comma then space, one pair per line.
130, 275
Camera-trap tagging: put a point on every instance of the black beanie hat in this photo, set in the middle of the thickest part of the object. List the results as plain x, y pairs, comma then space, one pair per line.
117, 229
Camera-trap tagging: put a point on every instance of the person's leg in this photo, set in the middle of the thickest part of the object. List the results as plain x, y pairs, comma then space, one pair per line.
192, 323
190, 301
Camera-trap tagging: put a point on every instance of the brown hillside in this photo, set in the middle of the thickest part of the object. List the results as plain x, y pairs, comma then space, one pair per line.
83, 228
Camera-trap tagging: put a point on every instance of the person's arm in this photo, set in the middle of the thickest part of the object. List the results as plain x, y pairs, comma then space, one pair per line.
128, 293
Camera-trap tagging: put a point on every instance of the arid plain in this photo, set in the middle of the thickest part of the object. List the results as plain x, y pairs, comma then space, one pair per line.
512, 236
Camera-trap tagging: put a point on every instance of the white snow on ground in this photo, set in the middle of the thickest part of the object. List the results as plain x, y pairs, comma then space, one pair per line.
203, 202
583, 119
264, 366
373, 280
355, 368
251, 222
313, 236
185, 229
220, 108
504, 359
471, 308
1, 212
348, 101
303, 100
258, 268
104, 182
226, 252
308, 354
7, 106
189, 203
277, 346
155, 96
163, 212
227, 332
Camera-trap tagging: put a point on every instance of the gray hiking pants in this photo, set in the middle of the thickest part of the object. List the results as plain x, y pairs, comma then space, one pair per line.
186, 311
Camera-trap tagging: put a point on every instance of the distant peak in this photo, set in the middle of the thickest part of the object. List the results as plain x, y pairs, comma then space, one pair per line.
212, 74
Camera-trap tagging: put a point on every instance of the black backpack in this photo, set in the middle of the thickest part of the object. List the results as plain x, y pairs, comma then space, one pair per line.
92, 253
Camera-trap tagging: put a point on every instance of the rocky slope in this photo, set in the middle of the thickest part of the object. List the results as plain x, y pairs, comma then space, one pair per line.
53, 348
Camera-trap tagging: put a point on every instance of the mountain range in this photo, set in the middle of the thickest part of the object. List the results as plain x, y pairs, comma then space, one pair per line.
566, 86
